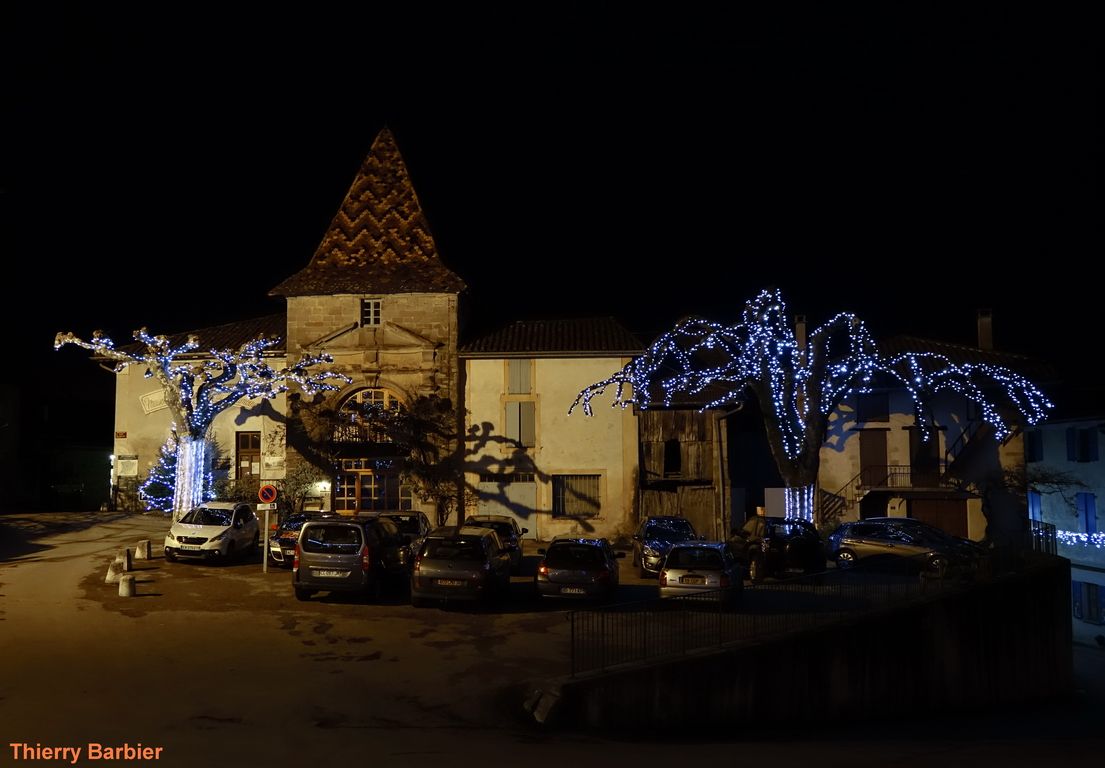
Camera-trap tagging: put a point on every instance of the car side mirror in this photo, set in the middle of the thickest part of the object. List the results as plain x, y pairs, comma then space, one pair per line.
541, 551
525, 530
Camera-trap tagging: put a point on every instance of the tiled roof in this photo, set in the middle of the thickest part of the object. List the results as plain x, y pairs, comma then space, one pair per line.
379, 240
231, 335
1033, 368
580, 337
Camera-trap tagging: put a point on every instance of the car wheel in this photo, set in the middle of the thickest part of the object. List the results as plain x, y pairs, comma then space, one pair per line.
845, 558
170, 556
644, 574
376, 589
302, 594
255, 544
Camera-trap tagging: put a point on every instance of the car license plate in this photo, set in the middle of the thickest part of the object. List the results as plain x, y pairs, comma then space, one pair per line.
189, 546
692, 580
331, 574
573, 591
450, 583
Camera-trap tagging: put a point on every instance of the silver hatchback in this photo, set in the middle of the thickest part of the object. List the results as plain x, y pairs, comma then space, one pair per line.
695, 567
460, 563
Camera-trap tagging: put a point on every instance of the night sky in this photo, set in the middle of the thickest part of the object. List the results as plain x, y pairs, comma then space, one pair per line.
168, 171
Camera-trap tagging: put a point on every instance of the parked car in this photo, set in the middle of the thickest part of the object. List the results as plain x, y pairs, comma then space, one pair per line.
509, 534
655, 536
283, 540
709, 567
460, 563
890, 543
348, 554
216, 530
577, 567
771, 546
413, 525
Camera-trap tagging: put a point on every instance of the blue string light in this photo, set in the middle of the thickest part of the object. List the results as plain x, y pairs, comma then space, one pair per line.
796, 386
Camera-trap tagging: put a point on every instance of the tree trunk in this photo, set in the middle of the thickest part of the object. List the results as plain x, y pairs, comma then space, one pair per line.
799, 501
191, 466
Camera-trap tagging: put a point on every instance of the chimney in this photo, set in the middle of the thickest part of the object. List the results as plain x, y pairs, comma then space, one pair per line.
985, 329
800, 331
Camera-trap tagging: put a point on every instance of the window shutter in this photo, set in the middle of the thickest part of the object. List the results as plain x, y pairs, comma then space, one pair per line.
519, 377
1076, 599
512, 432
527, 424
1072, 444
1034, 446
1035, 506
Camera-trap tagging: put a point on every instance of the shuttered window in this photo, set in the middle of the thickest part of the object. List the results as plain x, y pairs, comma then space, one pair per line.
520, 426
1086, 506
519, 380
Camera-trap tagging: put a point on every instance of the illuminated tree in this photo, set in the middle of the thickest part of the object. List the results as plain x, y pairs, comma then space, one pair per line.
799, 385
199, 387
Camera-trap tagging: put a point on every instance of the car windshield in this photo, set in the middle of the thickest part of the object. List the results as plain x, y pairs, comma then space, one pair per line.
694, 557
793, 529
573, 556
405, 523
207, 516
453, 549
673, 530
292, 524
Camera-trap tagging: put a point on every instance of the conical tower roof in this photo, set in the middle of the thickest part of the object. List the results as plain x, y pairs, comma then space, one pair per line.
379, 241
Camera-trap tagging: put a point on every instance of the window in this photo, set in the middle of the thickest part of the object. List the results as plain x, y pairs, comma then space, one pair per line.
873, 406
576, 496
673, 459
370, 311
1082, 444
356, 422
359, 487
519, 378
1034, 445
520, 422
1085, 505
249, 454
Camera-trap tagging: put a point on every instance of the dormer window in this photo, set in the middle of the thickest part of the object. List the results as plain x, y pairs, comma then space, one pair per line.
370, 312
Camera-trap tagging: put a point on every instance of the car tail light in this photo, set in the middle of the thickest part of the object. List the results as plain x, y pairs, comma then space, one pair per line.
366, 561
543, 569
663, 578
417, 563
295, 559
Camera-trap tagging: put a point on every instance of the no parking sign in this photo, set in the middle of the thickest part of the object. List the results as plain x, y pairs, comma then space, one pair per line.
267, 494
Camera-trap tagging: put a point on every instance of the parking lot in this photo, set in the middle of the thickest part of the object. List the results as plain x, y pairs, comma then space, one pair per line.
220, 665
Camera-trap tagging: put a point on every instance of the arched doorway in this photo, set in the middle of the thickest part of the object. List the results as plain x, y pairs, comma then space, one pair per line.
367, 478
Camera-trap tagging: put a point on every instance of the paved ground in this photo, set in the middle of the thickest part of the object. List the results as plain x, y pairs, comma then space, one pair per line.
220, 666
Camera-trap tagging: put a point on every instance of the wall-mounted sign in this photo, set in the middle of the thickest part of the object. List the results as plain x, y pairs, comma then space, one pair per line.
120, 435
153, 401
126, 466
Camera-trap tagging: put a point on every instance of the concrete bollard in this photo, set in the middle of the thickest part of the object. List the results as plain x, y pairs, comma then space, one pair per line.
142, 551
113, 573
126, 586
124, 561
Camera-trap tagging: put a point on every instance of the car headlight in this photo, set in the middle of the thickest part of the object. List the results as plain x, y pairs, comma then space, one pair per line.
220, 536
170, 536
650, 551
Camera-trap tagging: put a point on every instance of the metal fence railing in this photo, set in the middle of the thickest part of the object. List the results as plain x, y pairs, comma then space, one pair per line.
651, 630
1043, 537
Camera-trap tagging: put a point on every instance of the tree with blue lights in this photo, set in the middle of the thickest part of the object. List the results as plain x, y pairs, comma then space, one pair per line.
798, 385
200, 386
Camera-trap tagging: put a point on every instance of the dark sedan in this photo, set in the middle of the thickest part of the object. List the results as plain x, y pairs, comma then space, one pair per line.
771, 546
577, 567
655, 537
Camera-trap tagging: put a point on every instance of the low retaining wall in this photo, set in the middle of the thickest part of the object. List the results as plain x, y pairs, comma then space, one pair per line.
1000, 642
